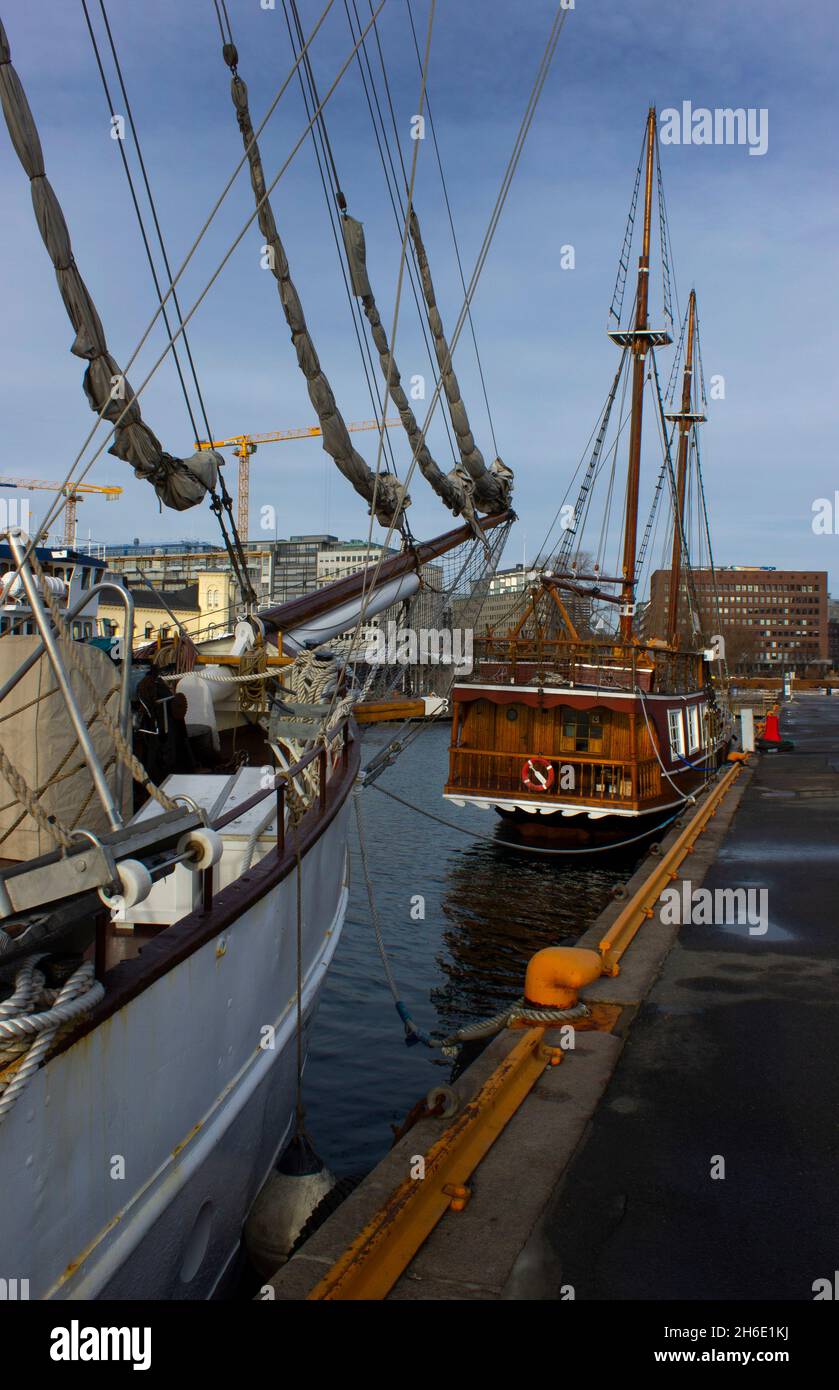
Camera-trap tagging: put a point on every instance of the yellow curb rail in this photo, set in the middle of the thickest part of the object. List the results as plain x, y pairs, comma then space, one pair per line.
377, 1258
641, 905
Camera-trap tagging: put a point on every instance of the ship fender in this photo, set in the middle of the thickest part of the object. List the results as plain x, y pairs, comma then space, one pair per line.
284, 1205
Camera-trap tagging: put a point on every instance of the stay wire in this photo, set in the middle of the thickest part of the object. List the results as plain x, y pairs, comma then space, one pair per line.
451, 224
156, 220
140, 219
336, 197
61, 500
234, 547
542, 71
391, 184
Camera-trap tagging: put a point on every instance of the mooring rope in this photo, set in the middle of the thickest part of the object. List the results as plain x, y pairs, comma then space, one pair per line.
511, 844
28, 1029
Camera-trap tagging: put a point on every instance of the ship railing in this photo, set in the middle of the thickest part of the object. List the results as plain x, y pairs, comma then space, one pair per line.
331, 752
576, 777
575, 662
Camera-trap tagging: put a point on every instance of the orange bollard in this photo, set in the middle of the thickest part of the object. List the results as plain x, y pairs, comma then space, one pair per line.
555, 974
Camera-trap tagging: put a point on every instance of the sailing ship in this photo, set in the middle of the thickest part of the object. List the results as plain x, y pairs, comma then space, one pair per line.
584, 726
168, 915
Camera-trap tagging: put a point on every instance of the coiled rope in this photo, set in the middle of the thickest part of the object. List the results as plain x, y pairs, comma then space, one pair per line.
31, 1020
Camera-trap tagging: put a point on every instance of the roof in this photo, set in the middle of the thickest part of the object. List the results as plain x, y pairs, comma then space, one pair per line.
166, 598
50, 555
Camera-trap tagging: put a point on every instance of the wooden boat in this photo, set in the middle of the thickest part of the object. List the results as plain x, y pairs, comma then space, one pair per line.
599, 735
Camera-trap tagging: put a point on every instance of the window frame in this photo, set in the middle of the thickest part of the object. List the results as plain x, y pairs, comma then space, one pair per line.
676, 724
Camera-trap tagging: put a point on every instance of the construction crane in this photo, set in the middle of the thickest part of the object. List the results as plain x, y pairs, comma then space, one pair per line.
73, 493
245, 445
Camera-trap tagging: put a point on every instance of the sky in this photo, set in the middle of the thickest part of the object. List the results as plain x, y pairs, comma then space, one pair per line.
756, 234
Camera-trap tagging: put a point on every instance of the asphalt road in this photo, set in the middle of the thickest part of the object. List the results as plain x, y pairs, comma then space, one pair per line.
711, 1164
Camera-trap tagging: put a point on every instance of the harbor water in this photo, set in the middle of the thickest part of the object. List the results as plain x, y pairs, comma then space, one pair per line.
460, 917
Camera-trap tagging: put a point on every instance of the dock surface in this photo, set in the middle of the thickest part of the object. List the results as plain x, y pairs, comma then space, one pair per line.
734, 1053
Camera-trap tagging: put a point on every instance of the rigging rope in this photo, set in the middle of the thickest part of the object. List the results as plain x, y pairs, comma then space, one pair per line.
616, 306
386, 498
337, 199
61, 500
448, 212
506, 182
392, 186
511, 844
219, 502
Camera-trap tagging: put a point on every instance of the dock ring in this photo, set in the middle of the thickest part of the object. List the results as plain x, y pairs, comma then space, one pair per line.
444, 1100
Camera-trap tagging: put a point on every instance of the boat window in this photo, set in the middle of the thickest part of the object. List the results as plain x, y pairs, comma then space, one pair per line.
694, 738
584, 729
86, 573
88, 629
77, 631
29, 628
676, 723
5, 624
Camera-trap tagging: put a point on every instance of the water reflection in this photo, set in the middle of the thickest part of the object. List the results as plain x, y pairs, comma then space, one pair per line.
487, 909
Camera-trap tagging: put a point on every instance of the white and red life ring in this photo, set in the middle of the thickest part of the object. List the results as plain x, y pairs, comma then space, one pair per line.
538, 775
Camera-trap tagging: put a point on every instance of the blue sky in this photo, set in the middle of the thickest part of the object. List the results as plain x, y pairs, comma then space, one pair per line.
756, 235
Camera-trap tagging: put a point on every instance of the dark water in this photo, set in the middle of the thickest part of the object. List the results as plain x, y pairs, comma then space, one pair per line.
487, 909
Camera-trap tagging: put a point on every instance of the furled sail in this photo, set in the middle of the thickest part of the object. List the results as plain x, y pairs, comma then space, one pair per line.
179, 483
493, 485
456, 488
384, 493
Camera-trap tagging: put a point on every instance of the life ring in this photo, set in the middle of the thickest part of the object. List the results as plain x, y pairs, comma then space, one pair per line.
538, 775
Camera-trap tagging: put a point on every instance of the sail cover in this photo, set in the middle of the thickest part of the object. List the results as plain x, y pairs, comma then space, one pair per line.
470, 484
179, 482
455, 488
493, 485
383, 493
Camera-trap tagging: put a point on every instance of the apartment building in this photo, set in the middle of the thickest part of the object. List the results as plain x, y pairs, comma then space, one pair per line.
771, 619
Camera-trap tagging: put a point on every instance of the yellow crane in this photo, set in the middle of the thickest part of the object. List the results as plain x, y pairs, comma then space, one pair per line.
246, 445
74, 492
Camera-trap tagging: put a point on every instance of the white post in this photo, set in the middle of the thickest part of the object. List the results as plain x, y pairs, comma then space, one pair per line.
747, 730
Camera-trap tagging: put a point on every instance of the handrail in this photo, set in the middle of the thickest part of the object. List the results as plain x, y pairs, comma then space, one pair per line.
282, 777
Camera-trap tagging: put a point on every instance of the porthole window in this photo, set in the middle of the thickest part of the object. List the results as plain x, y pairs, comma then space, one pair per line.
512, 713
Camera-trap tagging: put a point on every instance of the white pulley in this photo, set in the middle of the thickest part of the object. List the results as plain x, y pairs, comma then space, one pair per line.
205, 846
135, 883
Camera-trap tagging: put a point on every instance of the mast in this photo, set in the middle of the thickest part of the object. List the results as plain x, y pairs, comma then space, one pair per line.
685, 421
640, 343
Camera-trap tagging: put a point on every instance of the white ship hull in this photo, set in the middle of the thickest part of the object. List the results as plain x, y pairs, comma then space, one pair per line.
130, 1162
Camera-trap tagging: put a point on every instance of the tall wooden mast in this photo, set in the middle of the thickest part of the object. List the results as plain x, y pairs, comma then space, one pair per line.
685, 422
640, 342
